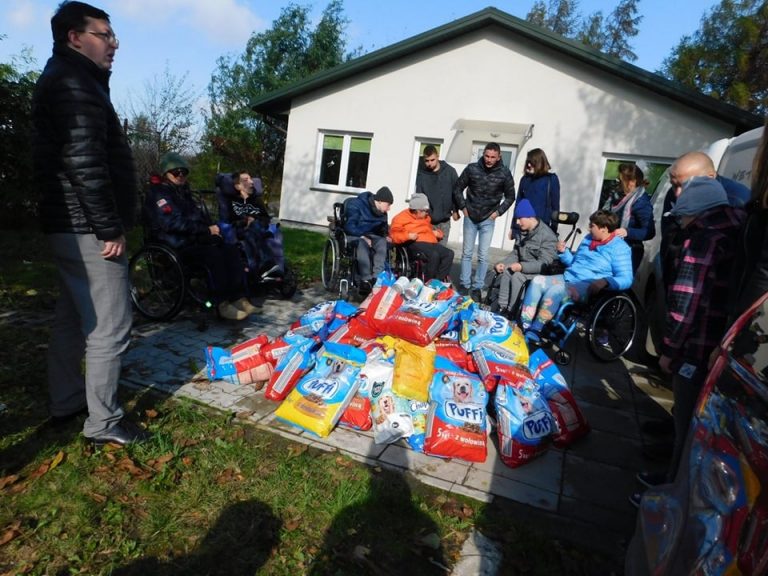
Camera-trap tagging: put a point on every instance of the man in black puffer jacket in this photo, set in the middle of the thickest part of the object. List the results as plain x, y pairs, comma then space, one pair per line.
490, 193
85, 174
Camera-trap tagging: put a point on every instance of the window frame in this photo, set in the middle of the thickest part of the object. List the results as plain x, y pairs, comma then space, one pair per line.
347, 137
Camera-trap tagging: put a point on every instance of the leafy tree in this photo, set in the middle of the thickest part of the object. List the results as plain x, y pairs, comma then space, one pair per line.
612, 35
289, 51
162, 119
727, 58
560, 16
592, 32
17, 199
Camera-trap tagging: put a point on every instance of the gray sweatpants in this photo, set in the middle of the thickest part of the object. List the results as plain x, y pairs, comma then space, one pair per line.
93, 322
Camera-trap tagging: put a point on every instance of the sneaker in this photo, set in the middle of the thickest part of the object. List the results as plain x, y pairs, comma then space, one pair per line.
271, 271
365, 288
635, 499
230, 312
477, 295
463, 291
245, 305
651, 479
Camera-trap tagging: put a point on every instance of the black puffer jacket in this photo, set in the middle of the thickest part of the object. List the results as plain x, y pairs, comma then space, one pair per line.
83, 165
488, 190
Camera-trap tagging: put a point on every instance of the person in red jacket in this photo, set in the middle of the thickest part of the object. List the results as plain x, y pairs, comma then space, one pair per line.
413, 227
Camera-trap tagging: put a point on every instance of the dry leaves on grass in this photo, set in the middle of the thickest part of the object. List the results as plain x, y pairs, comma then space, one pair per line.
10, 532
159, 463
46, 466
151, 413
229, 475
296, 449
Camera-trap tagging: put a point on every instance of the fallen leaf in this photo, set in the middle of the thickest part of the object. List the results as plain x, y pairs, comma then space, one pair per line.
42, 469
150, 413
202, 386
245, 414
98, 497
297, 449
292, 524
13, 531
238, 433
58, 459
187, 461
8, 480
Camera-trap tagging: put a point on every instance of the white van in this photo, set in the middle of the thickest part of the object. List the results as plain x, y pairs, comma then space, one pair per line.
733, 158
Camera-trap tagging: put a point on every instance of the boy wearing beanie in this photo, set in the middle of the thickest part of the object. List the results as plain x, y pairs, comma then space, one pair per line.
365, 216
535, 248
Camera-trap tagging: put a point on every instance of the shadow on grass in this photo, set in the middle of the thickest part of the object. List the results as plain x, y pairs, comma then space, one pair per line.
241, 542
354, 543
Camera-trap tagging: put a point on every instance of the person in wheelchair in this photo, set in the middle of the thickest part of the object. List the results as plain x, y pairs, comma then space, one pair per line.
241, 206
179, 222
535, 248
366, 218
602, 260
413, 228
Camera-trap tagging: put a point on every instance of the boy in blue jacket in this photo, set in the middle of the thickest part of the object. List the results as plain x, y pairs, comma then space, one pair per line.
366, 217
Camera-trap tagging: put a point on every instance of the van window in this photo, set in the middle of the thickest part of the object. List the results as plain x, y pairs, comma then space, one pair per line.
610, 187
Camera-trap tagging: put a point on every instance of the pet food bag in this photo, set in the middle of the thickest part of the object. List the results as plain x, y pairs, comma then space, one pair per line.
320, 397
291, 366
456, 421
414, 366
419, 322
570, 423
358, 414
242, 364
524, 420
392, 419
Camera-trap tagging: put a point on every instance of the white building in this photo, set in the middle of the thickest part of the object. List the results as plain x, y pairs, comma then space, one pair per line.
486, 77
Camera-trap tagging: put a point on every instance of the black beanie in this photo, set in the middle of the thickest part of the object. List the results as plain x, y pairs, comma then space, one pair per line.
384, 194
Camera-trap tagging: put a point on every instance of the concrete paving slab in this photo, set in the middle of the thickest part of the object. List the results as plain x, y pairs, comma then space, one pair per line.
354, 442
450, 470
598, 483
608, 448
543, 472
507, 488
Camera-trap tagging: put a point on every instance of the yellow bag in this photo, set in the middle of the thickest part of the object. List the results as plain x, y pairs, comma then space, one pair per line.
414, 368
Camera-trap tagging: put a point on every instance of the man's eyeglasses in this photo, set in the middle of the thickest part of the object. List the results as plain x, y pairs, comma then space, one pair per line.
108, 37
179, 172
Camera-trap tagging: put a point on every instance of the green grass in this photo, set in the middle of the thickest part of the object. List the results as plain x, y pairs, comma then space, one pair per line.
211, 494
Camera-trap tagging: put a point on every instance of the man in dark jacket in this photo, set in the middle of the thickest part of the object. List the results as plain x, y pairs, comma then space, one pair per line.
365, 216
85, 174
436, 179
490, 193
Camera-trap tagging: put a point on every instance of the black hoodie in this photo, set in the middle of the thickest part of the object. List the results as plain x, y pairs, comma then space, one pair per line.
438, 187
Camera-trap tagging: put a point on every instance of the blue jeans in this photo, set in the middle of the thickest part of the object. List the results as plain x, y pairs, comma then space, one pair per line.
471, 231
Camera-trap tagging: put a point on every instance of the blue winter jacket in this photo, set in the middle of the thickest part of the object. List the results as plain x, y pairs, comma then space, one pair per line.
543, 192
174, 216
611, 261
361, 218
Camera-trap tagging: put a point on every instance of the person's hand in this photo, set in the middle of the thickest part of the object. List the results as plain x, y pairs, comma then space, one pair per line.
665, 364
464, 211
412, 235
596, 286
499, 268
516, 267
511, 234
113, 248
213, 229
438, 233
494, 215
367, 240
560, 246
621, 232
249, 220
455, 215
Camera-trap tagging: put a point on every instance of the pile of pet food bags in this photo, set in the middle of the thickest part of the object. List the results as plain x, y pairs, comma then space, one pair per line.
422, 365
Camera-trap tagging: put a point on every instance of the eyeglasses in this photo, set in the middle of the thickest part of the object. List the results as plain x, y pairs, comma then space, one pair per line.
108, 37
179, 172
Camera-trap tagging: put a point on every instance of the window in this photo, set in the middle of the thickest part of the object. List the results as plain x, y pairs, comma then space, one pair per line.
343, 160
652, 170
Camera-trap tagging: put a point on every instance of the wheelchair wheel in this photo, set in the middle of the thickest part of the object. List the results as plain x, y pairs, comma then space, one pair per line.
611, 328
157, 282
399, 261
330, 267
287, 287
198, 285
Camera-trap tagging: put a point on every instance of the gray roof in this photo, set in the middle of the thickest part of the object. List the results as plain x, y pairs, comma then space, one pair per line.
278, 102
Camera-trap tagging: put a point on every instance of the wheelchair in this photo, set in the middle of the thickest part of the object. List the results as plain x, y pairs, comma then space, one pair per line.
339, 264
162, 283
608, 321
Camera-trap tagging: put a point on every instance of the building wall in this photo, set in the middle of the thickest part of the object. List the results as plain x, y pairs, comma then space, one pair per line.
580, 116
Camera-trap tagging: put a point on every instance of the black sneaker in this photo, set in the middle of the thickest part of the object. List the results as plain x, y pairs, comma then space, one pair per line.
124, 432
635, 499
477, 295
651, 479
